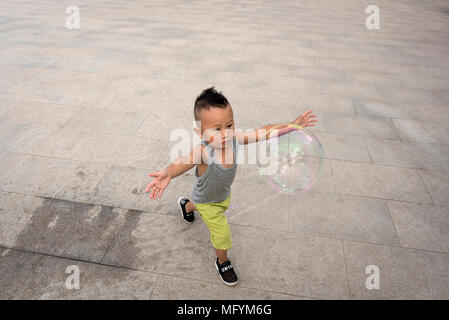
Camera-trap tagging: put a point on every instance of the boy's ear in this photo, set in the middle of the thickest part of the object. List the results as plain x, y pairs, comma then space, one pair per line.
197, 131
197, 128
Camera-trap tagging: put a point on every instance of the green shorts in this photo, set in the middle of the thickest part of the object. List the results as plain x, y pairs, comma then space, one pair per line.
216, 222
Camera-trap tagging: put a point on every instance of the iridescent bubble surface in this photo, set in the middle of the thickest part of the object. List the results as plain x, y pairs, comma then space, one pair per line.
290, 159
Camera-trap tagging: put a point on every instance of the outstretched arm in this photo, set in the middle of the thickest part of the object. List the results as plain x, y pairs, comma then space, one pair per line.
304, 120
163, 177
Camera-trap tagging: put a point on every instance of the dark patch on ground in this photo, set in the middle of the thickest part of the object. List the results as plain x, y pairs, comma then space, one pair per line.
66, 229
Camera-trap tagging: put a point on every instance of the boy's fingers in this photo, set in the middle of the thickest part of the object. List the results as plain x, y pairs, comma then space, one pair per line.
150, 186
152, 192
306, 113
160, 193
154, 174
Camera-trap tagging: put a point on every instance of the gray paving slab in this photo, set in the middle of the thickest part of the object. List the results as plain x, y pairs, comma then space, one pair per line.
436, 183
86, 115
341, 216
15, 215
343, 147
388, 110
403, 273
323, 181
48, 279
283, 271
124, 187
54, 178
360, 125
18, 266
421, 226
45, 114
178, 247
21, 137
171, 288
383, 182
65, 228
421, 131
106, 121
408, 154
10, 160
267, 208
129, 151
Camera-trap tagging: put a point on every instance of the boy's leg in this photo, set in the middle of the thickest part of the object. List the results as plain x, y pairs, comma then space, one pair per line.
220, 235
190, 206
222, 255
186, 209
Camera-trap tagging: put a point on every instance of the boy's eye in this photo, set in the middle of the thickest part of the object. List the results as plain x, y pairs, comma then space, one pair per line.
229, 125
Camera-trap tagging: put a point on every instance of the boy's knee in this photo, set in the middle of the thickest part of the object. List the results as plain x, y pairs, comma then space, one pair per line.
222, 240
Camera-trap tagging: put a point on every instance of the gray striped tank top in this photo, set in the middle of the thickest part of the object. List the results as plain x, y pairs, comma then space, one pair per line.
214, 185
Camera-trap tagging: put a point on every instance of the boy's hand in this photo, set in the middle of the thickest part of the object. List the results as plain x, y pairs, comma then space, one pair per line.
305, 120
158, 185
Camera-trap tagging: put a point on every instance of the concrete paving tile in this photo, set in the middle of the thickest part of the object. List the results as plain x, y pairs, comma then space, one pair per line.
69, 229
341, 216
16, 211
284, 113
45, 114
359, 125
292, 263
125, 187
421, 226
122, 150
96, 282
9, 161
171, 288
18, 266
378, 181
265, 202
18, 137
41, 140
161, 126
59, 143
337, 104
6, 105
125, 82
54, 178
433, 113
437, 183
323, 182
106, 121
403, 273
244, 112
142, 95
420, 131
343, 147
166, 245
408, 154
398, 94
349, 90
163, 244
372, 108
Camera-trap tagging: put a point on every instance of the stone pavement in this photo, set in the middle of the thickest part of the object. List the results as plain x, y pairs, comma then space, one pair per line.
86, 114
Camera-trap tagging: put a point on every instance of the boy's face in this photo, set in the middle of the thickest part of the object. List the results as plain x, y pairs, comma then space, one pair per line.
217, 126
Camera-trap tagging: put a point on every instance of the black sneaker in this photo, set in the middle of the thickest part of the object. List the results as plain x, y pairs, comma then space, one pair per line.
187, 216
226, 272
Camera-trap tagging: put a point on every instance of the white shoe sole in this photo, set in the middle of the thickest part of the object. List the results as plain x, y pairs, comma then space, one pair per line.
180, 209
226, 283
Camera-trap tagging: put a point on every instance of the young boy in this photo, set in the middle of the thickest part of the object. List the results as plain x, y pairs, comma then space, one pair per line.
216, 165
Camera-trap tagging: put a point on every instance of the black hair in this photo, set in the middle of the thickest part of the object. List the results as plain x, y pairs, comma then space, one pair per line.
210, 97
